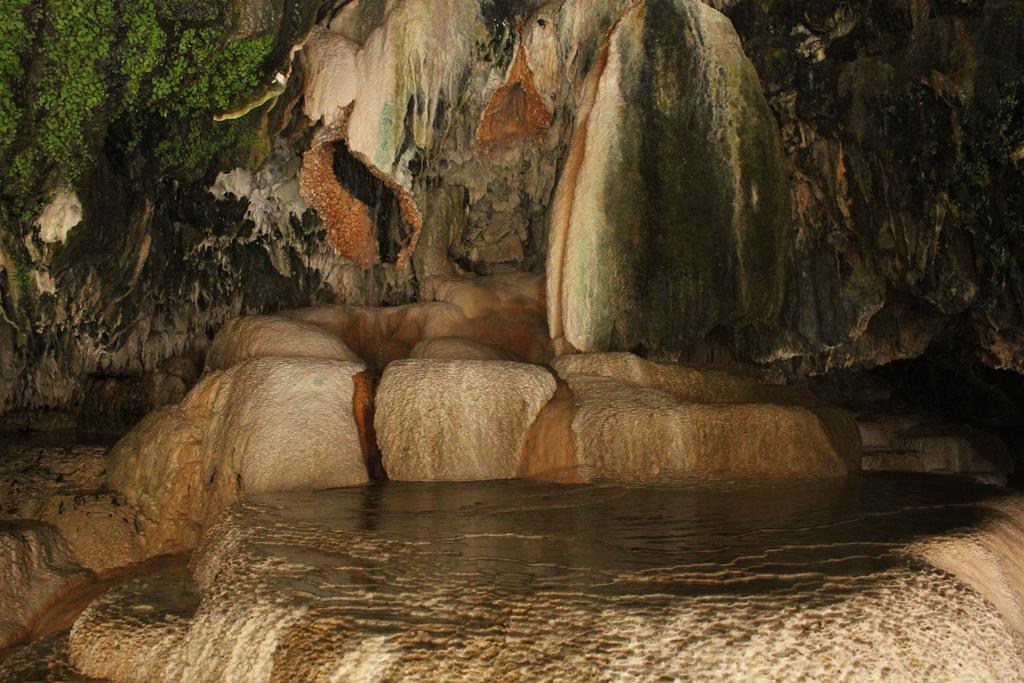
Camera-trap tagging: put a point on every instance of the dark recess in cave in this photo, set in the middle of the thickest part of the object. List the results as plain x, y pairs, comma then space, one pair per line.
381, 201
945, 381
961, 388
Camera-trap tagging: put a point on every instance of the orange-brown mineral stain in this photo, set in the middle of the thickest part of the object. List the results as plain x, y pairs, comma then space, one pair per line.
363, 411
516, 110
350, 230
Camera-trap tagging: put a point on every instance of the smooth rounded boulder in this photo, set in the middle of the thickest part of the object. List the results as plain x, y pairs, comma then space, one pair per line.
630, 419
264, 425
457, 420
269, 336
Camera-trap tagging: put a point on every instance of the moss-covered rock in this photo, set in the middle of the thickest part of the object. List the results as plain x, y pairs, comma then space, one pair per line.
901, 121
679, 207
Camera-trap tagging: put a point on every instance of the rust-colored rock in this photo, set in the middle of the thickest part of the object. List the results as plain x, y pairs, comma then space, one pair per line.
505, 312
516, 111
363, 411
350, 231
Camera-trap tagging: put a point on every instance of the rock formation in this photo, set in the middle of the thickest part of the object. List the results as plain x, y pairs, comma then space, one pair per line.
36, 568
456, 581
349, 228
516, 110
267, 424
634, 420
288, 251
152, 642
457, 420
505, 312
911, 444
698, 180
674, 189
262, 336
458, 348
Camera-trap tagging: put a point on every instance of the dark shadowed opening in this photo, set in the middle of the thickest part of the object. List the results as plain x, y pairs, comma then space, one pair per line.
379, 199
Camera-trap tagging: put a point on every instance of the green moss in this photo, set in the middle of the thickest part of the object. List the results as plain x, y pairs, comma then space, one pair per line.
12, 250
135, 67
76, 45
142, 50
203, 73
988, 186
201, 140
950, 284
1010, 121
14, 34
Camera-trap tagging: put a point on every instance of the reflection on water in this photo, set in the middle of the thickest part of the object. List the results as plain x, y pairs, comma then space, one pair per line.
739, 538
514, 581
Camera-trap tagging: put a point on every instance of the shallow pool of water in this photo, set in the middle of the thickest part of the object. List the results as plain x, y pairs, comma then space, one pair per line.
508, 580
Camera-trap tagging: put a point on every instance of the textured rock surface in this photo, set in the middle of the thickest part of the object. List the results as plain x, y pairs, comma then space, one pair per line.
507, 580
31, 473
914, 443
36, 568
100, 527
457, 348
986, 559
269, 424
45, 659
900, 122
633, 419
505, 312
548, 452
63, 486
264, 336
628, 432
60, 216
148, 617
457, 420
693, 384
901, 135
676, 212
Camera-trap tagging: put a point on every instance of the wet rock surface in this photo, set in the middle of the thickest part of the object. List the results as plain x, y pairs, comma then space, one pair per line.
63, 486
628, 432
635, 253
900, 122
45, 659
183, 465
757, 209
36, 569
457, 420
629, 419
505, 312
442, 581
264, 336
148, 616
402, 220
31, 472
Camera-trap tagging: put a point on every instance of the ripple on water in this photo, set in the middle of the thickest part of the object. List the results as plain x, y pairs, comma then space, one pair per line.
507, 580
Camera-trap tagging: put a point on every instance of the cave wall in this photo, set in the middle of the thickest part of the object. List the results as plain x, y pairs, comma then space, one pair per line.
885, 141
903, 123
172, 221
